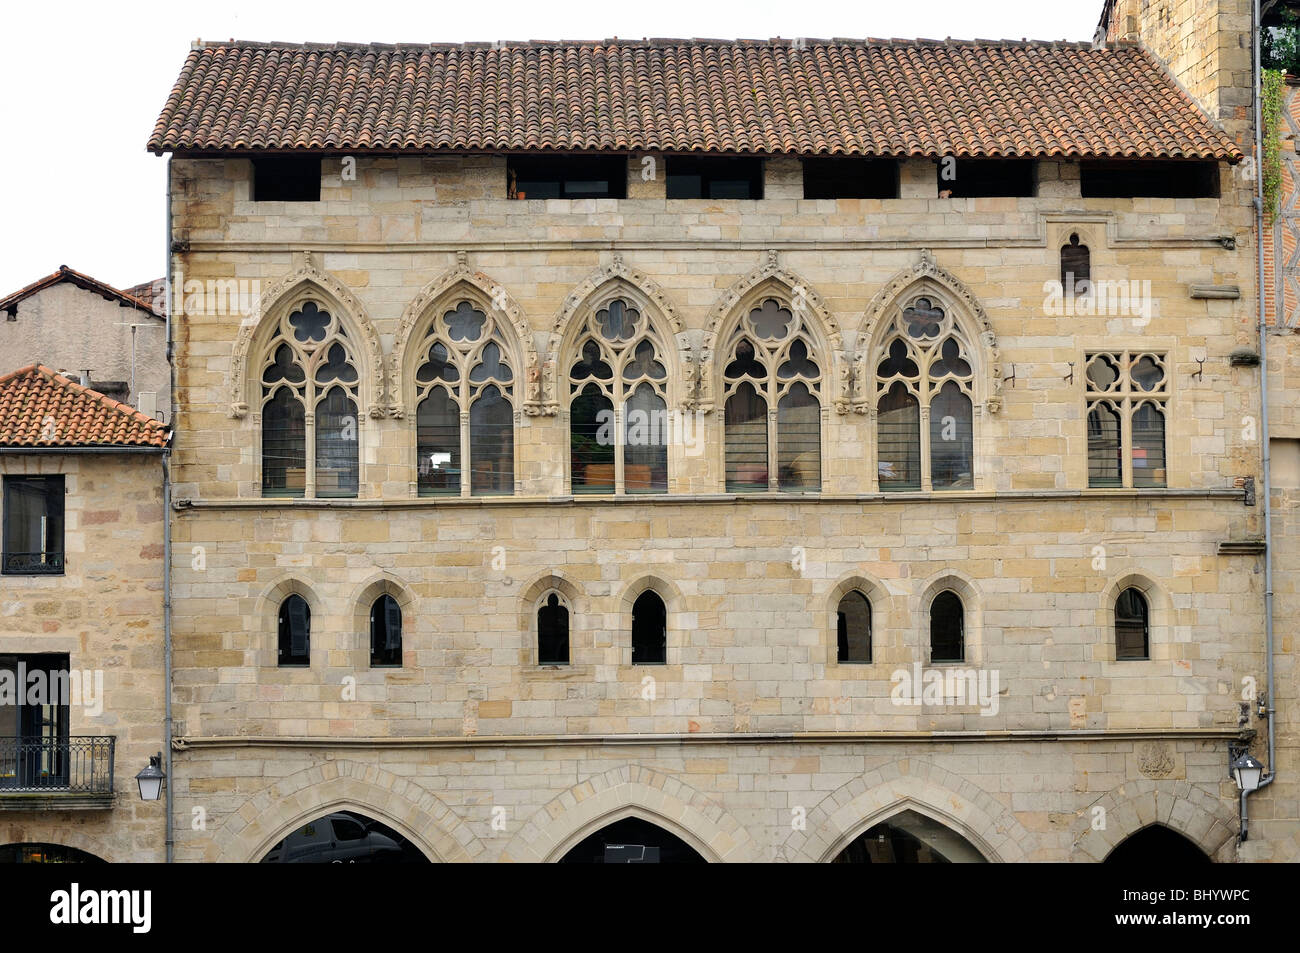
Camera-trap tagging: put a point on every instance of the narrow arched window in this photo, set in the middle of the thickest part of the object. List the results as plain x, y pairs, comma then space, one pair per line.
295, 631
553, 631
947, 628
309, 368
853, 628
771, 363
464, 394
385, 633
1132, 626
1076, 268
925, 370
619, 370
649, 630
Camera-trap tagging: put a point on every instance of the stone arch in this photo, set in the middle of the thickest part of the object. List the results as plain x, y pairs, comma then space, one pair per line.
530, 596
23, 832
617, 279
1202, 817
768, 278
308, 280
265, 637
1160, 619
275, 811
631, 791
381, 583
904, 785
673, 609
972, 602
878, 595
460, 282
928, 279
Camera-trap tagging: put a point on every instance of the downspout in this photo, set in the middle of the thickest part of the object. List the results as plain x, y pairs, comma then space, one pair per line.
1267, 709
167, 535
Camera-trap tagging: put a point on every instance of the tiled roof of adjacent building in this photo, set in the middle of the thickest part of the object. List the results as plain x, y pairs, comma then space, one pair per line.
40, 407
125, 298
869, 97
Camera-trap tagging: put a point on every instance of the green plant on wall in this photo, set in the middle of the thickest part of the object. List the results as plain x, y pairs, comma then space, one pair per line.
1279, 44
1271, 119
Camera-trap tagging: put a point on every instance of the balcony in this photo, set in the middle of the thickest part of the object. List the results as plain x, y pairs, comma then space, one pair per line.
67, 774
33, 564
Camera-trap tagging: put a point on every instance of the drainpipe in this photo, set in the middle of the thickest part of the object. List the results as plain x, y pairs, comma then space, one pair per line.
1267, 709
167, 535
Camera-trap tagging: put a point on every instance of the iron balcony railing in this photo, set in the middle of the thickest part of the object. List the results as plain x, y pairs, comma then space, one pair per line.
77, 765
33, 564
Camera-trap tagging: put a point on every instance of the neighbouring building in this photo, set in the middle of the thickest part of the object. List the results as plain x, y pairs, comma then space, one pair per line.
82, 687
111, 340
698, 450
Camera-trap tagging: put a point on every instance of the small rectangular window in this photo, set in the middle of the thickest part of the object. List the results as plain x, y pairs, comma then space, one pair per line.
567, 177
33, 525
286, 179
714, 177
1148, 178
850, 177
987, 178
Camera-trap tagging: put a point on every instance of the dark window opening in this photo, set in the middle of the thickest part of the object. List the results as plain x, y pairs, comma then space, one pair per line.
853, 628
1132, 626
1148, 178
34, 747
1076, 268
553, 632
33, 525
632, 841
295, 632
713, 177
34, 853
386, 632
1157, 845
850, 177
947, 628
286, 179
567, 177
987, 178
649, 630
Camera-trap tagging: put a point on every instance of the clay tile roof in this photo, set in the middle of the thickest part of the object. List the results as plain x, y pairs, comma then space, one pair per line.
804, 97
125, 298
42, 408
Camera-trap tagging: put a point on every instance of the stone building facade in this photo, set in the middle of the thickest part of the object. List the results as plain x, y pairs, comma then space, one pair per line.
755, 739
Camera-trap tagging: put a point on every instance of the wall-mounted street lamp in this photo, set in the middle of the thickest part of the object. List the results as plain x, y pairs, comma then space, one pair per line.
151, 779
1246, 770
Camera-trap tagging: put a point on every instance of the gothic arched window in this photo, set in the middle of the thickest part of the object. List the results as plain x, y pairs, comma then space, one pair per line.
947, 628
1132, 626
308, 377
772, 385
464, 392
924, 372
618, 406
553, 630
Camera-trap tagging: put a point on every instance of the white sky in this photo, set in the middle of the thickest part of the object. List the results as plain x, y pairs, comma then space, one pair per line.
81, 84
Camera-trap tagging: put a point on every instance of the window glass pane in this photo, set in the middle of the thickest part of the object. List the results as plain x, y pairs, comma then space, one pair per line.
337, 445
746, 441
1132, 633
1104, 462
853, 622
284, 446
947, 636
645, 442
553, 632
33, 523
649, 630
295, 631
898, 430
437, 428
798, 440
492, 444
951, 440
385, 631
1148, 446
591, 442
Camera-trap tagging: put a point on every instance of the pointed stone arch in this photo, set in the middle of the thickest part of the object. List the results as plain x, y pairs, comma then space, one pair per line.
1208, 821
456, 283
618, 278
278, 809
922, 279
307, 280
768, 278
631, 791
905, 785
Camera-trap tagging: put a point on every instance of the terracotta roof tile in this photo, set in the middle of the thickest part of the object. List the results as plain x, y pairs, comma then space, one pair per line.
874, 97
42, 408
125, 298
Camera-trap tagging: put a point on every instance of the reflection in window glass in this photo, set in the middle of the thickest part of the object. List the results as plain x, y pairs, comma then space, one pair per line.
437, 428
951, 441
337, 459
898, 427
1132, 630
295, 631
645, 447
798, 440
746, 441
1148, 446
591, 442
492, 444
386, 632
